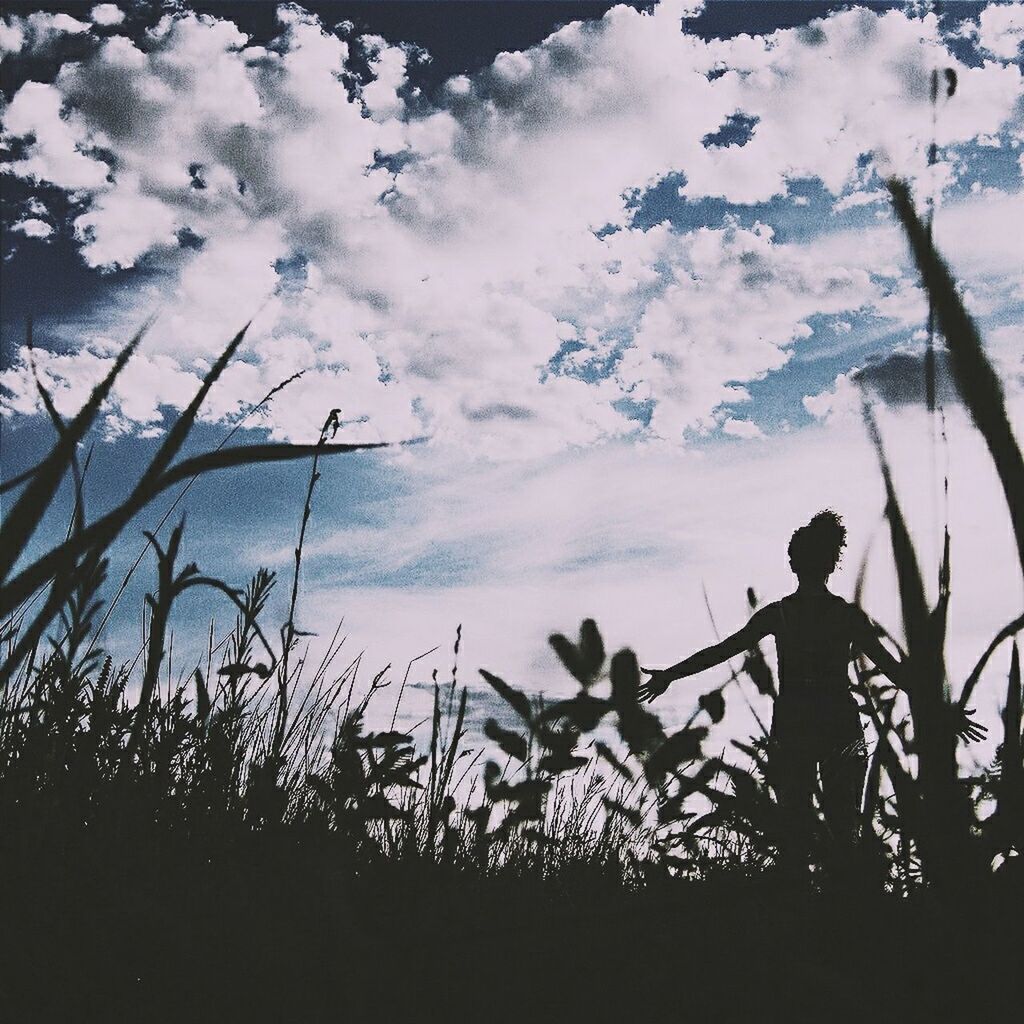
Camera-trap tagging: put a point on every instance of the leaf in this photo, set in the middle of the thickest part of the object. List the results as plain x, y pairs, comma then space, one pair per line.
379, 807
671, 809
584, 711
21, 521
254, 454
713, 704
1010, 792
972, 680
605, 752
625, 677
510, 742
569, 656
913, 601
384, 739
584, 661
561, 762
680, 747
754, 753
518, 701
202, 693
640, 730
759, 672
591, 647
561, 740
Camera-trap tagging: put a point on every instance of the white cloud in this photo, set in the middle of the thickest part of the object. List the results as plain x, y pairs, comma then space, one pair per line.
122, 224
745, 429
435, 290
1001, 29
38, 31
737, 305
861, 198
107, 14
33, 227
146, 384
57, 153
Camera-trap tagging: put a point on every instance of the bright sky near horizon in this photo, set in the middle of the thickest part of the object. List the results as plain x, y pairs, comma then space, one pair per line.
630, 269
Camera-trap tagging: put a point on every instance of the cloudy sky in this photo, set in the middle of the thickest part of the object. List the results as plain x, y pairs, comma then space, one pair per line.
629, 268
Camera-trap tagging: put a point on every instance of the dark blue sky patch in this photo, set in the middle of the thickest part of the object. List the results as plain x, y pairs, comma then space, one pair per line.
557, 363
47, 279
188, 239
990, 166
601, 365
292, 273
391, 162
641, 412
662, 202
220, 510
737, 130
723, 19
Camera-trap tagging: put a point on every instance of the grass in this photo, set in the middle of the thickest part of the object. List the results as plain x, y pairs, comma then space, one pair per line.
242, 845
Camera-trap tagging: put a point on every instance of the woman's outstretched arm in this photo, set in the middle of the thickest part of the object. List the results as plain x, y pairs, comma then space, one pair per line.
759, 626
867, 640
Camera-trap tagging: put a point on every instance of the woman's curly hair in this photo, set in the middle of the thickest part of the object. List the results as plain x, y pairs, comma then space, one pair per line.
815, 549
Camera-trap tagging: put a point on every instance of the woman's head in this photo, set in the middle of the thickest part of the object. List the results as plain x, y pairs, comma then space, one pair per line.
814, 549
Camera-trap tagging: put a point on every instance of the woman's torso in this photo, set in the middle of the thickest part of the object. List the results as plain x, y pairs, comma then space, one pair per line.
813, 638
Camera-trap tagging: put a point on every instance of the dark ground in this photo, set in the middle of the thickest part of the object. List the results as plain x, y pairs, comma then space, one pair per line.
280, 931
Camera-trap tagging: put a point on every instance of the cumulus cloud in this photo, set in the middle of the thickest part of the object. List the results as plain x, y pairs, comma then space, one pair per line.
1001, 29
38, 31
107, 14
744, 429
59, 151
33, 227
737, 304
471, 269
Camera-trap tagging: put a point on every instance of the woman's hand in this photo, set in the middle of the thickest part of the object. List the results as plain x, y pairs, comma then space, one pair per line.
656, 685
966, 728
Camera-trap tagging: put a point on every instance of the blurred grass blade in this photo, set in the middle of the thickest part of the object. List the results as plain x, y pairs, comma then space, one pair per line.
21, 522
246, 455
975, 378
913, 601
1010, 629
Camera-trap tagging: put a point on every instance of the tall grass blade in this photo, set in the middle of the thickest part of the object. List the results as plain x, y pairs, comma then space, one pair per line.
975, 377
1010, 793
23, 519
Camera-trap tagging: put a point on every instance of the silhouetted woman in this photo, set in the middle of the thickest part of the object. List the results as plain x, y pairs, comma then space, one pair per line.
816, 725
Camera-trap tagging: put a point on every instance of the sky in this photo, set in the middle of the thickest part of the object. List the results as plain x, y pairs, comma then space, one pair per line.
630, 270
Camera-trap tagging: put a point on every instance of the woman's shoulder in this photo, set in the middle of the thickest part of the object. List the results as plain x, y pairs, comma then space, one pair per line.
769, 615
851, 611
